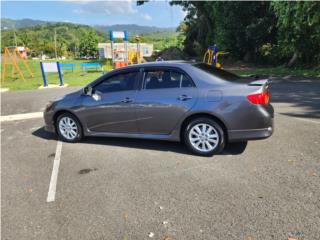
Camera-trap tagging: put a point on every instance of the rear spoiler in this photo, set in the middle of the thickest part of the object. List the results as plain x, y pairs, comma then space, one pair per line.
259, 82
264, 83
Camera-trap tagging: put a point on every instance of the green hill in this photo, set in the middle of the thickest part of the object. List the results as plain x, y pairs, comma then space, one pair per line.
7, 23
40, 38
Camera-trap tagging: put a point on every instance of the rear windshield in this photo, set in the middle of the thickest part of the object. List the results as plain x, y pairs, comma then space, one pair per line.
219, 73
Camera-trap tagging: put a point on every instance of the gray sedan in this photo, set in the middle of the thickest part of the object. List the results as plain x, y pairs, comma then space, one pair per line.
195, 103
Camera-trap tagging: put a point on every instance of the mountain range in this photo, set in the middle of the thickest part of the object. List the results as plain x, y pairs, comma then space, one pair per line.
7, 23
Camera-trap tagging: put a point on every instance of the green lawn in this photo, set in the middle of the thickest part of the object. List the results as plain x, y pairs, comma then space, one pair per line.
279, 72
75, 78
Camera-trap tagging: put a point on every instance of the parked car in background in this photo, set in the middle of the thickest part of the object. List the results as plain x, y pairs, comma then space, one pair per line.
195, 103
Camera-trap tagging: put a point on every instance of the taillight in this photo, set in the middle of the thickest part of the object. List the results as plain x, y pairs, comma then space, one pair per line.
259, 98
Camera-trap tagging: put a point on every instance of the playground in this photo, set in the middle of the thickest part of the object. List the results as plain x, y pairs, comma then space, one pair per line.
19, 73
78, 76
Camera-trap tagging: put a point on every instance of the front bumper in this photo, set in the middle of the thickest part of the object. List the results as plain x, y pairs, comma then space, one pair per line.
49, 128
48, 120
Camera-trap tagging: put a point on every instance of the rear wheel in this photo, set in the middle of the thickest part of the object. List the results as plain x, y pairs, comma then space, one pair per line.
204, 136
68, 127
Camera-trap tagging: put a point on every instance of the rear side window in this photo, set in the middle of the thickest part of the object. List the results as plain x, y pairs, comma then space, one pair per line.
219, 73
159, 79
119, 82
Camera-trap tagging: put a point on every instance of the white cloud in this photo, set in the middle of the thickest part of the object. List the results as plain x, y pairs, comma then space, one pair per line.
146, 16
105, 7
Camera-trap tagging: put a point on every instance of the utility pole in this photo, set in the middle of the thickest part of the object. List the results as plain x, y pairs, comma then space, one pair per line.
55, 43
15, 37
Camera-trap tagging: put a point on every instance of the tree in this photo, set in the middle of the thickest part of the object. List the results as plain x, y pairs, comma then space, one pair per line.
267, 31
88, 46
298, 31
237, 27
181, 29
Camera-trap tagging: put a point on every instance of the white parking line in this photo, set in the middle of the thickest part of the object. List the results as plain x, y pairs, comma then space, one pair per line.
54, 175
22, 116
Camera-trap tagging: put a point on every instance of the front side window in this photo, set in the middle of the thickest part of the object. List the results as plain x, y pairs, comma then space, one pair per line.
117, 83
159, 79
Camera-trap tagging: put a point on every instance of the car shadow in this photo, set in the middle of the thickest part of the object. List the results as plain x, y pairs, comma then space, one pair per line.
302, 94
156, 145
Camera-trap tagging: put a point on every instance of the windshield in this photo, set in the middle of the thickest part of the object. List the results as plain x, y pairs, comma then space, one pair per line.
219, 73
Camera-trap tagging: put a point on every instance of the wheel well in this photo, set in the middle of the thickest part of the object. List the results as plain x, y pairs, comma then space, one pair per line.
58, 113
200, 115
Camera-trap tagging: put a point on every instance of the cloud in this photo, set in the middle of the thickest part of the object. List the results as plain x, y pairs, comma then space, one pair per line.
146, 16
105, 7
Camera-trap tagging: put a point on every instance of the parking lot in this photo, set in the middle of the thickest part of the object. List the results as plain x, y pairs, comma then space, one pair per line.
108, 188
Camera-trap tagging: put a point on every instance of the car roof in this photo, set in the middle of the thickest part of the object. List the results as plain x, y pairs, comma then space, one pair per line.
172, 63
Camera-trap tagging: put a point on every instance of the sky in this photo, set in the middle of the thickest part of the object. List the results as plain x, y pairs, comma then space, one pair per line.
153, 13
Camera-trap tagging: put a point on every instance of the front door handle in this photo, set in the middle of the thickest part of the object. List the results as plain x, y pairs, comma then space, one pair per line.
127, 100
184, 97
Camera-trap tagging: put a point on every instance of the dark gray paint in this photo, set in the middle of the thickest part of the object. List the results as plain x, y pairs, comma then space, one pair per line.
160, 113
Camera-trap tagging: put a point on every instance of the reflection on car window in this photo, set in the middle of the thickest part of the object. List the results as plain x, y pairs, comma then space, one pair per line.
166, 79
228, 76
117, 83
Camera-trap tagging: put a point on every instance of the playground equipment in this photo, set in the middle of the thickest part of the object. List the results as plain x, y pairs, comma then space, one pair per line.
119, 57
13, 54
211, 56
123, 57
90, 66
67, 66
135, 55
50, 67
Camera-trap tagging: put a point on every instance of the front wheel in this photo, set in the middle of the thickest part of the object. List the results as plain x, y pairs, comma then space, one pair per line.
68, 128
204, 136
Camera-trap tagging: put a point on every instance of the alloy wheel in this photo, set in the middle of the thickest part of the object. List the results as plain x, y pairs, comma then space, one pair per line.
68, 128
204, 137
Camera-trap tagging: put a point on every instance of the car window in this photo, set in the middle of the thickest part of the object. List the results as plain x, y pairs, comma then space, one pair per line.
228, 76
117, 83
166, 79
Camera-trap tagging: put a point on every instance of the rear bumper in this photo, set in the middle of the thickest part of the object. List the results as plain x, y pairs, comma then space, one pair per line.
250, 134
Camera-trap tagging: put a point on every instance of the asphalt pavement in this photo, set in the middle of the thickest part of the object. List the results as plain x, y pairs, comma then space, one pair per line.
110, 188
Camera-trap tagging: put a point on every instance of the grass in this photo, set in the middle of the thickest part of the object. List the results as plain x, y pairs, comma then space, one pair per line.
280, 72
75, 78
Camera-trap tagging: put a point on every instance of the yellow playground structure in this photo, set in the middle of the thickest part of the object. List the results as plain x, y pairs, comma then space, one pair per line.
211, 56
134, 55
11, 57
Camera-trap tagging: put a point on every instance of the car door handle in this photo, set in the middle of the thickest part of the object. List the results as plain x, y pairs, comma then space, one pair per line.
127, 100
184, 97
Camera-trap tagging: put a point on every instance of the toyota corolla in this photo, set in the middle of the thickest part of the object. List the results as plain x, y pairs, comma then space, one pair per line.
195, 103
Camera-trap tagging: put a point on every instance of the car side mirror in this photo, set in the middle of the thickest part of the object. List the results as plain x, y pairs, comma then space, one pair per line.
87, 91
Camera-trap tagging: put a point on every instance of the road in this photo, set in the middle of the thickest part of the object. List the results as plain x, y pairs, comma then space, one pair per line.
126, 189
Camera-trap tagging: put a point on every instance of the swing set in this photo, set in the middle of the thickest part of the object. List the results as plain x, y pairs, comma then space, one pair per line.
12, 54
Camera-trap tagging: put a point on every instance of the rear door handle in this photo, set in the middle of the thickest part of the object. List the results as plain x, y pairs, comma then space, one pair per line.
127, 100
184, 97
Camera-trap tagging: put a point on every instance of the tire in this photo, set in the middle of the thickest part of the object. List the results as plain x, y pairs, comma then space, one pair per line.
204, 137
72, 126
